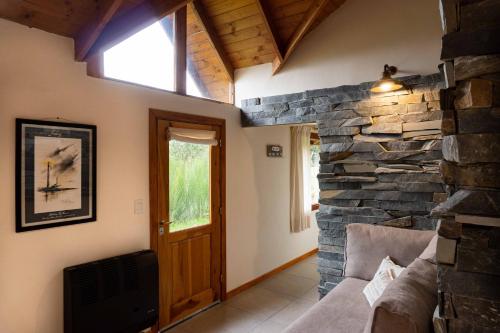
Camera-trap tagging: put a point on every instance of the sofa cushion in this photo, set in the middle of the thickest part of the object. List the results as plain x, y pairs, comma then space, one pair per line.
429, 252
342, 310
367, 245
408, 303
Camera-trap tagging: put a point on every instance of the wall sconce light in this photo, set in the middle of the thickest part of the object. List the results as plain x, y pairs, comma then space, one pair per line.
387, 83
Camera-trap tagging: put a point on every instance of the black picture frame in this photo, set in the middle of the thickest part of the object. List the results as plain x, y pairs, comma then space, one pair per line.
64, 192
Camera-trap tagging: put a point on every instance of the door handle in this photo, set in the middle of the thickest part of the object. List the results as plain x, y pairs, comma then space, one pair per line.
162, 222
162, 226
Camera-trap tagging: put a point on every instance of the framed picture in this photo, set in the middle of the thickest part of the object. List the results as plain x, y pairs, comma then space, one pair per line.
55, 174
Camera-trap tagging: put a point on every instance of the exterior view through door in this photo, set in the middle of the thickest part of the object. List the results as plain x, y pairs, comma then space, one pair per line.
187, 211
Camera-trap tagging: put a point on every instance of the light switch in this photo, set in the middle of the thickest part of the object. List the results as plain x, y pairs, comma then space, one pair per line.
138, 207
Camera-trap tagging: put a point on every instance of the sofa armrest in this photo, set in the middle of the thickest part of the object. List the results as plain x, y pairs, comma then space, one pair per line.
366, 246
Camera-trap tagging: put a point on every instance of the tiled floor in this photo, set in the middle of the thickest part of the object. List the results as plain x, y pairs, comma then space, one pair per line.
268, 307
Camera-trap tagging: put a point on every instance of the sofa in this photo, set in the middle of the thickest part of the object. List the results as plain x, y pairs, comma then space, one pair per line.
406, 304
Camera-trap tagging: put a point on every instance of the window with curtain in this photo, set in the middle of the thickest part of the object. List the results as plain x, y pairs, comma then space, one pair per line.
300, 179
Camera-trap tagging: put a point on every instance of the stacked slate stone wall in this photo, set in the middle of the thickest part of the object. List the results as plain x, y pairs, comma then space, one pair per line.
468, 250
380, 156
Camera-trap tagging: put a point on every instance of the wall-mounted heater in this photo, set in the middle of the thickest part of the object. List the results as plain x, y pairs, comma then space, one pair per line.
113, 295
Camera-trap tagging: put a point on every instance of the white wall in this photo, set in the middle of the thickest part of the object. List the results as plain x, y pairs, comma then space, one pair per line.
40, 80
351, 46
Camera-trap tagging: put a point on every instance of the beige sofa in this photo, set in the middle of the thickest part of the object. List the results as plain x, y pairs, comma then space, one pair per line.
406, 305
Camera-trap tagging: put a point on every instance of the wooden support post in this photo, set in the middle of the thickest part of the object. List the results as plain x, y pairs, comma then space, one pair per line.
180, 46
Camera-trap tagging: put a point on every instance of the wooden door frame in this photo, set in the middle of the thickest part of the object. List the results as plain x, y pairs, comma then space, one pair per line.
155, 116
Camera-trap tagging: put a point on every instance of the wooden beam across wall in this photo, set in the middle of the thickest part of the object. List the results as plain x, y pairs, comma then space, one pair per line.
134, 20
86, 38
180, 46
271, 28
200, 12
309, 19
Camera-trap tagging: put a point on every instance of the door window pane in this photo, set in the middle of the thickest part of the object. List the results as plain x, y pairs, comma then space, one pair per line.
189, 185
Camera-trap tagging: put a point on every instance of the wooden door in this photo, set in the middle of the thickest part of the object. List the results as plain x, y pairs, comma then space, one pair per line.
191, 254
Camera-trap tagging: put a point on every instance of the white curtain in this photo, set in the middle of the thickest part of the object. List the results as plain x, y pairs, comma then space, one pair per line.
203, 137
300, 181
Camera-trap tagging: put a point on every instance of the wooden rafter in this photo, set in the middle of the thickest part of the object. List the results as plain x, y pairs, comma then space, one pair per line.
200, 12
86, 38
271, 28
137, 18
309, 19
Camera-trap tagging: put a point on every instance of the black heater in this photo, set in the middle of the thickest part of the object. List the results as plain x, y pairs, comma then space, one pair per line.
113, 295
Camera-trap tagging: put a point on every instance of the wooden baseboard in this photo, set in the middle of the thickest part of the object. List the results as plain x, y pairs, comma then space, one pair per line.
266, 276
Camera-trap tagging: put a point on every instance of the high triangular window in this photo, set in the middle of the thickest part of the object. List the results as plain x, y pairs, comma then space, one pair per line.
148, 58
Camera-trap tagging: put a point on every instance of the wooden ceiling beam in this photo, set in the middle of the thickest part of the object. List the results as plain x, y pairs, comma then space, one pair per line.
271, 28
180, 44
86, 38
134, 20
309, 19
203, 17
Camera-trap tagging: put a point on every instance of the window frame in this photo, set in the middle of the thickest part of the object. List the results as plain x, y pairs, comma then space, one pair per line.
95, 63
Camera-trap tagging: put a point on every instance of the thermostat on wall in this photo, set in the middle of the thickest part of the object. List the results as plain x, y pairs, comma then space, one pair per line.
274, 151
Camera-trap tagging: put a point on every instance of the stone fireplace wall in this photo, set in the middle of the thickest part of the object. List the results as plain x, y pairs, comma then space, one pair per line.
468, 250
380, 156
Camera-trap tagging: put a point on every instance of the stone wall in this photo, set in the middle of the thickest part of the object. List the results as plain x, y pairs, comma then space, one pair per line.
468, 249
380, 157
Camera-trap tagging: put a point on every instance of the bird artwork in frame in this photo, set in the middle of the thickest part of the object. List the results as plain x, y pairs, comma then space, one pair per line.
55, 174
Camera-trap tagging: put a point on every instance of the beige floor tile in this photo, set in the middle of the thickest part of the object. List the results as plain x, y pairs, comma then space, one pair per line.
260, 302
304, 269
288, 284
269, 326
292, 312
268, 307
312, 295
221, 319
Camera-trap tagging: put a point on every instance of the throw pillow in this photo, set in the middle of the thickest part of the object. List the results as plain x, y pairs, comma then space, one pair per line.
386, 272
408, 303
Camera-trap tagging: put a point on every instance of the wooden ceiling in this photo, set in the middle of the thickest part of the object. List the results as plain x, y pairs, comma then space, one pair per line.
222, 35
